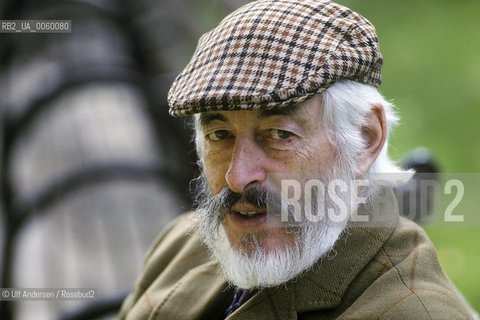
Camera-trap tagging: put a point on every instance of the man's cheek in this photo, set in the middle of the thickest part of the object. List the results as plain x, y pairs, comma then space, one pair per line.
214, 184
215, 177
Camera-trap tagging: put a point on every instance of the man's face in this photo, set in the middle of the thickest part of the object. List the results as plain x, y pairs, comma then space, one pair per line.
245, 154
248, 149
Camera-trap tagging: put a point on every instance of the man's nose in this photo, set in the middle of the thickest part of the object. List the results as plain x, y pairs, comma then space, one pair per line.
246, 165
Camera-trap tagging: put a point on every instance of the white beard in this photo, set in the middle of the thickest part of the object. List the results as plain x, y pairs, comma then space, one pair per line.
269, 268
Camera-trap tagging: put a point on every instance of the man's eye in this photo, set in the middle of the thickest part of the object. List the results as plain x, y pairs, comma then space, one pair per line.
278, 134
218, 135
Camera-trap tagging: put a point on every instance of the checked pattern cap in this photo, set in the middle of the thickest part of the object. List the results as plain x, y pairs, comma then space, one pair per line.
276, 53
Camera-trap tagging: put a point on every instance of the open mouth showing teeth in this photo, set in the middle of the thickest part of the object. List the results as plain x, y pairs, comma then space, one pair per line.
249, 220
249, 214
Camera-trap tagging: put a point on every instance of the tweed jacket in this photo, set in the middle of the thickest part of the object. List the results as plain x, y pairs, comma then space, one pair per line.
385, 272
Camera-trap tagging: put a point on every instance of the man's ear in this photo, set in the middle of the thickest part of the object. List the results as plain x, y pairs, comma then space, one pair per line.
374, 134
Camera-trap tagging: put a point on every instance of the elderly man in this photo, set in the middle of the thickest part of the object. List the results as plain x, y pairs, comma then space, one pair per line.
287, 114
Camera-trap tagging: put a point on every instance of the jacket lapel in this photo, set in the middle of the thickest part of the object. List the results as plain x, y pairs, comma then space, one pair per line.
201, 293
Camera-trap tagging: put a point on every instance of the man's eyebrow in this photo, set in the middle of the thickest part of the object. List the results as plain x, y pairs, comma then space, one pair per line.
206, 118
286, 111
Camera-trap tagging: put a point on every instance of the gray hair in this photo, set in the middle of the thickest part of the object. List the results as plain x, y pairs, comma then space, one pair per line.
346, 105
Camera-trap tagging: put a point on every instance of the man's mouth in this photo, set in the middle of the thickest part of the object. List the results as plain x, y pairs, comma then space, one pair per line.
247, 221
247, 217
250, 214
247, 210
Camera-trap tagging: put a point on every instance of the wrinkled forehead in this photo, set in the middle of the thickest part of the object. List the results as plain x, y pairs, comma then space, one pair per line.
308, 113
206, 118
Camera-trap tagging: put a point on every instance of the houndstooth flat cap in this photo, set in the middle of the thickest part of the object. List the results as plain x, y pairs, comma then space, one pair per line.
276, 53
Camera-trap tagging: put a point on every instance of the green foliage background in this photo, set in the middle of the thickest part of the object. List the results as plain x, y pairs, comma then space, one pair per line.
432, 72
